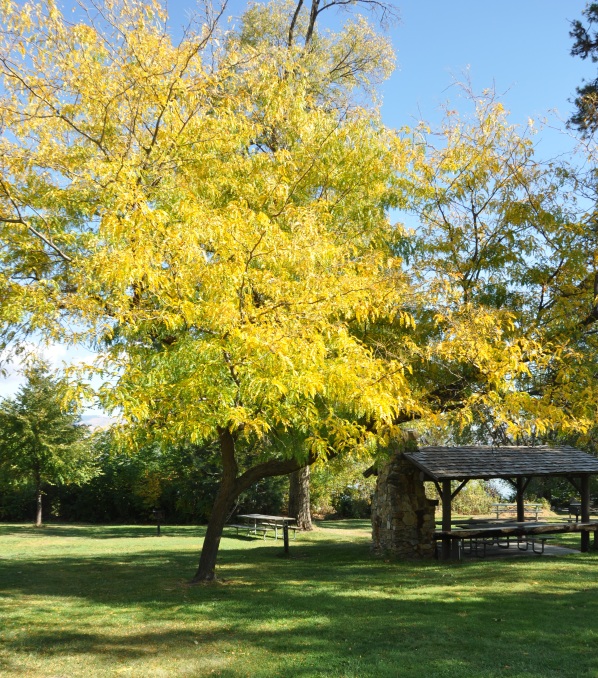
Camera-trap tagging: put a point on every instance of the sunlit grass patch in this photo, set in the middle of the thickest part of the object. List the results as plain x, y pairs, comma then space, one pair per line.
116, 600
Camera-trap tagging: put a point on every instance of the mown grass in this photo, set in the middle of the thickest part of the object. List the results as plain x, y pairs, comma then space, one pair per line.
115, 601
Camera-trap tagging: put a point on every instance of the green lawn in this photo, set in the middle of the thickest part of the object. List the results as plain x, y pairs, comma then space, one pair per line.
102, 601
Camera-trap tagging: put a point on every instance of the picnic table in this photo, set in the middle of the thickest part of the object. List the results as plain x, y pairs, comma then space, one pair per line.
504, 507
528, 531
262, 522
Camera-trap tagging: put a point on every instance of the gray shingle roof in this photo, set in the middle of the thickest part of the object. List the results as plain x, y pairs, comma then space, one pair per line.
482, 461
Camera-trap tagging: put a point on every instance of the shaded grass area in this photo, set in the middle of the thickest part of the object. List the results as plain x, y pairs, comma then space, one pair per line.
103, 601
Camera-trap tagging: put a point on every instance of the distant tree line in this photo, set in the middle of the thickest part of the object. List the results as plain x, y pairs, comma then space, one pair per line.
126, 488
52, 464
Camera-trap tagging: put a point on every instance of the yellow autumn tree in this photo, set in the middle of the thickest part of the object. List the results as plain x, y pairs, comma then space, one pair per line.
212, 222
506, 263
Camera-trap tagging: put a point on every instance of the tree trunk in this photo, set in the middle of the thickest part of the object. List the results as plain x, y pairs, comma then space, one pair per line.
38, 514
225, 501
299, 498
227, 493
38, 497
230, 488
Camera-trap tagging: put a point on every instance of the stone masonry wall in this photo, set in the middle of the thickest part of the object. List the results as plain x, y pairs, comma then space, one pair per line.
402, 515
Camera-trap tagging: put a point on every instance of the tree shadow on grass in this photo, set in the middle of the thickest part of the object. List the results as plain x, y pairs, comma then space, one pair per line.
98, 531
328, 610
352, 524
347, 617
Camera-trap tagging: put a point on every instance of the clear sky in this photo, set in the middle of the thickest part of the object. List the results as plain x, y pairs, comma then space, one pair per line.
518, 47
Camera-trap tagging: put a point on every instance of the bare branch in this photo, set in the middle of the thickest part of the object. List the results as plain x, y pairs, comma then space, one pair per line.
294, 21
21, 220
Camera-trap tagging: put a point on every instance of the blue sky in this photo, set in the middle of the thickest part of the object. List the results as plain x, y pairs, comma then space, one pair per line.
519, 48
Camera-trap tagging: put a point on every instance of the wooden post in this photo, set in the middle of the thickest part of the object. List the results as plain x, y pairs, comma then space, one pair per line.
285, 537
446, 518
158, 516
520, 506
585, 512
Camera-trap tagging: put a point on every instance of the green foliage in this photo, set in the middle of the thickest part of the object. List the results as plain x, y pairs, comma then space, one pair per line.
475, 498
339, 487
181, 481
17, 502
42, 440
352, 502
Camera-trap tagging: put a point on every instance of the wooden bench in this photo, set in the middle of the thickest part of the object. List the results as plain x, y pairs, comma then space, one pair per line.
511, 509
250, 529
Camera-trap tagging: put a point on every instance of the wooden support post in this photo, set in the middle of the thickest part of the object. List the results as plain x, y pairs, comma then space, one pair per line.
520, 507
585, 512
285, 536
446, 518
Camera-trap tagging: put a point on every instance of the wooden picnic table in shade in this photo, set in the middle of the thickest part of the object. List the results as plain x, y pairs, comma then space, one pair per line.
518, 529
482, 531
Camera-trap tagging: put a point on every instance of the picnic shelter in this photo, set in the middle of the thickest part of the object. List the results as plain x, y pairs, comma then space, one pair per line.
444, 465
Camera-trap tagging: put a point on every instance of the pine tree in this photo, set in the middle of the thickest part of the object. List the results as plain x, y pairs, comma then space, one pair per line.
41, 441
585, 119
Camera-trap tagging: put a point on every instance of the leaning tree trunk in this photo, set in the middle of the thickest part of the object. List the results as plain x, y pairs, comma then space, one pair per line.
299, 498
225, 500
230, 488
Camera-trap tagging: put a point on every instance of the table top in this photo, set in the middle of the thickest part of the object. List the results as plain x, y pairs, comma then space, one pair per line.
261, 516
490, 522
507, 523
515, 528
506, 503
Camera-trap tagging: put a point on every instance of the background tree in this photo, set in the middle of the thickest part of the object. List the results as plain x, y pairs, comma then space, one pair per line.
341, 488
585, 46
42, 440
506, 262
299, 503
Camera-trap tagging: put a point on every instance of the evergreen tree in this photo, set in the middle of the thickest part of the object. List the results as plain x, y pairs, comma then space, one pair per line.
585, 46
42, 441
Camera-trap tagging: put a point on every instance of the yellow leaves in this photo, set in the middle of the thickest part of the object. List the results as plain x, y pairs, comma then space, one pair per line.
229, 235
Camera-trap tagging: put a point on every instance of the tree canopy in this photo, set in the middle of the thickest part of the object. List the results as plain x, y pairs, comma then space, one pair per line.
214, 219
505, 259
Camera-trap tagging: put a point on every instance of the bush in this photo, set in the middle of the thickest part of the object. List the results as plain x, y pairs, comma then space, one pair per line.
476, 498
352, 502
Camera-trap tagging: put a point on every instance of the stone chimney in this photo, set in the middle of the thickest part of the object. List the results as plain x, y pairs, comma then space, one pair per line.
402, 516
